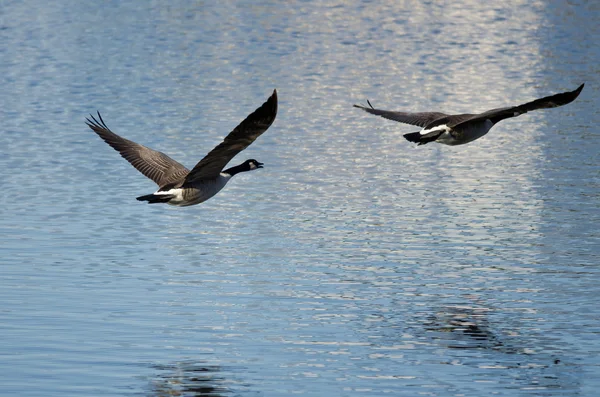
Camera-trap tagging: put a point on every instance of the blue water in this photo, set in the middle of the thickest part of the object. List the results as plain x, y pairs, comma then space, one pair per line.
354, 263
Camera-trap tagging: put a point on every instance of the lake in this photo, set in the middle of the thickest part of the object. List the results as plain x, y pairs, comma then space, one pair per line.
355, 263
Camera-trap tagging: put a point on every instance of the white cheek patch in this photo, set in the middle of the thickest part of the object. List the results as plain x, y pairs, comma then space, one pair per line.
253, 166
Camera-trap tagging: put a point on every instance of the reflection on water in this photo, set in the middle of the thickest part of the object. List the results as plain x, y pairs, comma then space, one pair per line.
188, 379
502, 353
463, 328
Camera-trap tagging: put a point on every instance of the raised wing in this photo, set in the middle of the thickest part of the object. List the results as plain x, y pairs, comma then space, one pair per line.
552, 101
155, 165
239, 139
418, 119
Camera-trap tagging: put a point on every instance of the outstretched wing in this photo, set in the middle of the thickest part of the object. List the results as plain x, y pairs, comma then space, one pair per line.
552, 101
419, 119
237, 140
155, 165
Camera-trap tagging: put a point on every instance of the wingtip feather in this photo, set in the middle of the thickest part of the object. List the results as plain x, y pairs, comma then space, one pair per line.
364, 107
272, 102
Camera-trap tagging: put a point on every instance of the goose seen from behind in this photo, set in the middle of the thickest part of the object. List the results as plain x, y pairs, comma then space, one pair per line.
459, 129
176, 184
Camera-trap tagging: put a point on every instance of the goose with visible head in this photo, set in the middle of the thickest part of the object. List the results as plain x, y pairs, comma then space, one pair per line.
176, 184
459, 129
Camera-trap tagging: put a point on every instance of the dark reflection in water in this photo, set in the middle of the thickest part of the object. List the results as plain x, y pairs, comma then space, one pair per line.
188, 379
463, 328
504, 356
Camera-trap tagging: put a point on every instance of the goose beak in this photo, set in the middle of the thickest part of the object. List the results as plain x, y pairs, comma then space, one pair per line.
259, 165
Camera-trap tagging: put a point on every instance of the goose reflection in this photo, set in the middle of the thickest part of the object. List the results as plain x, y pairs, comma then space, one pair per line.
463, 327
188, 380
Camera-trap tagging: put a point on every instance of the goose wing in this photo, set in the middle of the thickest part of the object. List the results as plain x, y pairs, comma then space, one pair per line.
153, 164
239, 139
419, 119
552, 101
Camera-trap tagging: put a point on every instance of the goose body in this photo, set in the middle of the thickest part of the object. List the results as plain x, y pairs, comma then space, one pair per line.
459, 129
185, 196
179, 186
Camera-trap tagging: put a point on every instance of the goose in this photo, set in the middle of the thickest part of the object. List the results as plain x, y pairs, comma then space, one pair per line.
176, 184
458, 129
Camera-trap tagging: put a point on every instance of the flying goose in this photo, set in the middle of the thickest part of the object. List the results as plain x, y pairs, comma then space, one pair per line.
176, 184
458, 129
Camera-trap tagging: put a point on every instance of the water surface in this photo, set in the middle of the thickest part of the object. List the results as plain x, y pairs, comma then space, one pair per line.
354, 263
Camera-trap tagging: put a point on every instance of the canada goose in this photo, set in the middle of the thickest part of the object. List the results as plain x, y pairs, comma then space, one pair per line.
459, 129
178, 185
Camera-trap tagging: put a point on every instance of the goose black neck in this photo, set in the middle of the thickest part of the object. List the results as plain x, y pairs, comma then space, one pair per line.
237, 169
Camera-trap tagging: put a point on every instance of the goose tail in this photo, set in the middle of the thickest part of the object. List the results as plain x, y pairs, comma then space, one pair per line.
156, 198
419, 139
414, 137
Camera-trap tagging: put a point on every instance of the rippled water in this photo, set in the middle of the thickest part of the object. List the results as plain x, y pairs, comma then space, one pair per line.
354, 263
